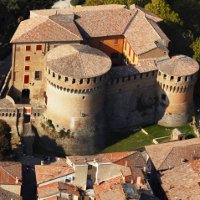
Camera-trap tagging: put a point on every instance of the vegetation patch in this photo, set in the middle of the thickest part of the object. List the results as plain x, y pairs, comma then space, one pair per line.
139, 139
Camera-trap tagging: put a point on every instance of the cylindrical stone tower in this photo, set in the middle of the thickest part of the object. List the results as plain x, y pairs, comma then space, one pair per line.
75, 81
176, 79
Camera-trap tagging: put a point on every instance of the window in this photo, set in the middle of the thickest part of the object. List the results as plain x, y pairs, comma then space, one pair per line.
27, 68
165, 76
28, 48
38, 75
73, 81
27, 58
38, 47
171, 78
179, 79
26, 79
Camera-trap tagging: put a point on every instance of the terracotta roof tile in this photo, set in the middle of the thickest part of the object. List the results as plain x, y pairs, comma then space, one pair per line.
182, 182
179, 66
46, 173
6, 195
12, 168
110, 189
78, 61
43, 30
141, 35
69, 189
172, 154
93, 21
48, 190
5, 103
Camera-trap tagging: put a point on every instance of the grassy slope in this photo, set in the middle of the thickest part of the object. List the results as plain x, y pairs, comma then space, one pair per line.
139, 139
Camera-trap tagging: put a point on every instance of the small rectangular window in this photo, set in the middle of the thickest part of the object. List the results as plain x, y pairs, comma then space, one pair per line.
38, 75
28, 48
39, 47
27, 68
27, 58
179, 79
26, 79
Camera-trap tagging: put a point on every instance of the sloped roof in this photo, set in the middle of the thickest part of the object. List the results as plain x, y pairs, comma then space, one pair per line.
45, 173
106, 22
136, 24
179, 66
100, 158
78, 61
172, 154
45, 30
141, 35
48, 190
6, 195
182, 182
110, 189
12, 168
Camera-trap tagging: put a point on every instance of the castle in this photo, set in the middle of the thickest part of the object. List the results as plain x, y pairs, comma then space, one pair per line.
91, 70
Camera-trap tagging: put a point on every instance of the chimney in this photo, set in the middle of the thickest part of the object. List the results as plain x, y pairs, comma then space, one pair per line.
17, 180
42, 162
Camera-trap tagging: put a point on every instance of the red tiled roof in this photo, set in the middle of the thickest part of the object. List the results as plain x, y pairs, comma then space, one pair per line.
44, 30
78, 61
141, 35
12, 168
179, 66
45, 173
48, 190
182, 182
136, 24
110, 189
172, 154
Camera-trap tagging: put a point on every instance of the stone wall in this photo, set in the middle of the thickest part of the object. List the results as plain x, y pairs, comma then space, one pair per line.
131, 102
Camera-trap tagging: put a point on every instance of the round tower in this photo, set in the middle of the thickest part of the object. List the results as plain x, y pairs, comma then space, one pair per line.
75, 81
176, 79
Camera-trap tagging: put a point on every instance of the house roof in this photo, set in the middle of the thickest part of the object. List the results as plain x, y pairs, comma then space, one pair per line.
45, 173
6, 103
140, 34
48, 190
182, 182
69, 189
5, 195
172, 154
105, 22
14, 169
110, 189
100, 158
179, 66
93, 21
41, 29
78, 61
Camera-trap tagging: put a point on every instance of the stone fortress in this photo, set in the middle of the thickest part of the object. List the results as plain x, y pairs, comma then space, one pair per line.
93, 70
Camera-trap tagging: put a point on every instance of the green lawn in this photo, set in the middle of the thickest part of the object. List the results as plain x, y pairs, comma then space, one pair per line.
139, 139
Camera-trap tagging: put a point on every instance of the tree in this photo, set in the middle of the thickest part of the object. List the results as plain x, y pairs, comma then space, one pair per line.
196, 49
164, 11
123, 2
4, 138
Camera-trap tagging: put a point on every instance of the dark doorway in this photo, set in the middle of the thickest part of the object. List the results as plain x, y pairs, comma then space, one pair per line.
25, 96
